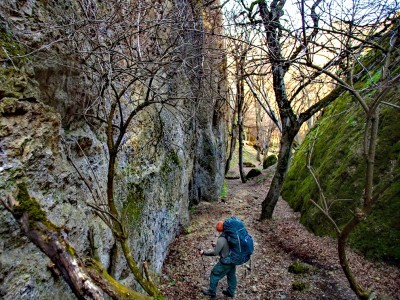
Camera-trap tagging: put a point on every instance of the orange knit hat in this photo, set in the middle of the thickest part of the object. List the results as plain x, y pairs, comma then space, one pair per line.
220, 226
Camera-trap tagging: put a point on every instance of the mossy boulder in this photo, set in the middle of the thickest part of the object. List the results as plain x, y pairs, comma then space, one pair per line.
253, 173
269, 161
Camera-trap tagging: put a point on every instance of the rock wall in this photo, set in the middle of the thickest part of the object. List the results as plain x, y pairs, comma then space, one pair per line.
172, 158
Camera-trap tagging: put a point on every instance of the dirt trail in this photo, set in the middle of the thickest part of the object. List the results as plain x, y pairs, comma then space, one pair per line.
278, 243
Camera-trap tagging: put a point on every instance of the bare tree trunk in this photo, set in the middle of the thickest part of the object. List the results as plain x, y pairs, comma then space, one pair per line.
258, 156
258, 130
289, 120
272, 197
267, 141
240, 99
118, 228
241, 144
342, 242
370, 139
232, 147
290, 125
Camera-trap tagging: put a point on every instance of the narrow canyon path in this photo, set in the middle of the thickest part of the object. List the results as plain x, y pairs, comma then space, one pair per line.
278, 243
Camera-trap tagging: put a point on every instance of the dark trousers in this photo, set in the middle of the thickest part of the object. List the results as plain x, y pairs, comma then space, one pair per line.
218, 272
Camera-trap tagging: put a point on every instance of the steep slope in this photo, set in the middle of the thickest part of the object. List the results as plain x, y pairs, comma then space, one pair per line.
334, 148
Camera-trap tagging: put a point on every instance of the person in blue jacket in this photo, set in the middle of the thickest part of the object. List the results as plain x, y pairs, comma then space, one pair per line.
221, 270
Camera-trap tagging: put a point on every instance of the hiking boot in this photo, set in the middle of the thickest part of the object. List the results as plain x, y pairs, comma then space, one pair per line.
209, 293
227, 293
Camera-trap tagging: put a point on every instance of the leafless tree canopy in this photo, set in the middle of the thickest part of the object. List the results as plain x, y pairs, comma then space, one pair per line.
302, 56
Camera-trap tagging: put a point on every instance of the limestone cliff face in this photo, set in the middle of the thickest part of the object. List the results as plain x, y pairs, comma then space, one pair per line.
172, 157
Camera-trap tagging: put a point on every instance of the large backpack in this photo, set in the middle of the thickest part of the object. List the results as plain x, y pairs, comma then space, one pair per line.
241, 244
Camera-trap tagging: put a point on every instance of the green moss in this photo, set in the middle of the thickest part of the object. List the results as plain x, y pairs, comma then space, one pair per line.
29, 205
300, 286
269, 161
9, 47
188, 230
299, 268
174, 158
383, 226
5, 105
123, 291
70, 250
224, 190
170, 163
134, 204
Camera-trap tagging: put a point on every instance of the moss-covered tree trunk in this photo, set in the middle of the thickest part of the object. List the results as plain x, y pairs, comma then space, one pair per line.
87, 279
146, 283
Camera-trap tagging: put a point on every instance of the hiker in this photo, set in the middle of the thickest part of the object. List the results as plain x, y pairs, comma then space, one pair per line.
220, 270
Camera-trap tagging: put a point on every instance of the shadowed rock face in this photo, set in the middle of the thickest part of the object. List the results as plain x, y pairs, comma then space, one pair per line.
168, 161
